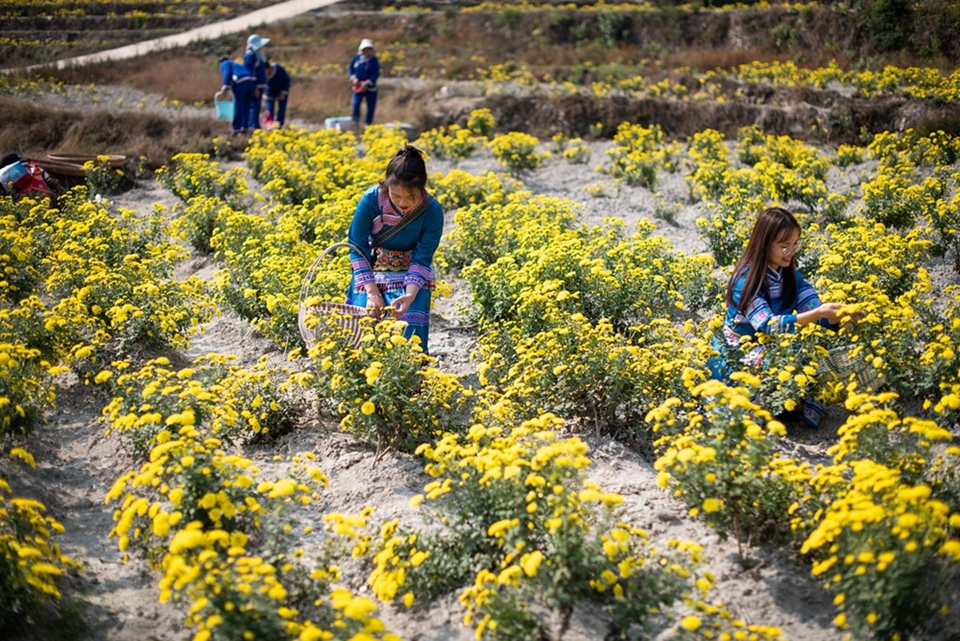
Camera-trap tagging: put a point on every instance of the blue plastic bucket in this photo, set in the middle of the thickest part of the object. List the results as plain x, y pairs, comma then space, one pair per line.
224, 109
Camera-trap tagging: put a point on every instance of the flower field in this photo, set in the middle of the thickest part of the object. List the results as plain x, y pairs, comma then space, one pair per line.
585, 334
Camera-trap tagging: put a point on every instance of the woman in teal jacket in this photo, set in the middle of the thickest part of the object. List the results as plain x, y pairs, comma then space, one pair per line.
404, 223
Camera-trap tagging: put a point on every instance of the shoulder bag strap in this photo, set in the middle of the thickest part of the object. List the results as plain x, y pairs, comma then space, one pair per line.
393, 231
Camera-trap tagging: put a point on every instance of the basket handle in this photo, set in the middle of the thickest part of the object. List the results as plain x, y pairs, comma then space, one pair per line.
312, 271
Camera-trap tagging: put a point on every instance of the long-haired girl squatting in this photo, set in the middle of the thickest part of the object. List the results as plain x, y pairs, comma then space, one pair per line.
767, 294
397, 225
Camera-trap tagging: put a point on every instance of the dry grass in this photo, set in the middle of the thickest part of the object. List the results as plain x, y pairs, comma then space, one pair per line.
314, 99
36, 130
187, 76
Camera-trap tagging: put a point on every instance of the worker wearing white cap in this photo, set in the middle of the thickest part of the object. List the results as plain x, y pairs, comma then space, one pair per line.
364, 71
254, 59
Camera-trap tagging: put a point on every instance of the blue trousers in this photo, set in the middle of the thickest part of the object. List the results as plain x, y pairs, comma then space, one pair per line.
371, 97
281, 113
242, 94
254, 109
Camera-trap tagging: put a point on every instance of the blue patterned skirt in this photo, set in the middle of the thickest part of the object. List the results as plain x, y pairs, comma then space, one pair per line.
390, 284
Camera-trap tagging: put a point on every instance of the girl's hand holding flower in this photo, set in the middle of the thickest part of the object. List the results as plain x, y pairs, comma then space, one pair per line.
830, 311
375, 301
400, 305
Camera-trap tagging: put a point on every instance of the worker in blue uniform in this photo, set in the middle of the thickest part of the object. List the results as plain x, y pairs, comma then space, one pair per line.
278, 88
255, 60
242, 83
364, 72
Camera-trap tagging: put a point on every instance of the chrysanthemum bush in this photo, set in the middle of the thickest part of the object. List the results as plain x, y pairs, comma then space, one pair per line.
512, 519
867, 251
604, 273
755, 147
457, 189
224, 542
941, 356
197, 221
190, 482
885, 550
893, 333
874, 430
30, 559
233, 595
877, 525
505, 223
639, 153
587, 371
482, 122
895, 197
937, 149
112, 273
234, 404
27, 388
709, 163
29, 357
386, 390
24, 241
577, 153
454, 143
295, 165
943, 218
196, 175
517, 152
102, 179
719, 455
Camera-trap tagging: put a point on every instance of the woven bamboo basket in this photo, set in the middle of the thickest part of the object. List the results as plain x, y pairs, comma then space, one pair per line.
341, 314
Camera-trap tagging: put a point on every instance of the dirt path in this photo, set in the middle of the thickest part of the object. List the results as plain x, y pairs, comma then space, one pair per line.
267, 15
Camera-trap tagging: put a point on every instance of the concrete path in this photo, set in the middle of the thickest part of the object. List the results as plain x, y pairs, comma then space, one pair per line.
273, 13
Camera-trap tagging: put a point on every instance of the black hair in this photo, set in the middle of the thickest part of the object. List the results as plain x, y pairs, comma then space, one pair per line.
407, 169
223, 58
8, 159
773, 224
